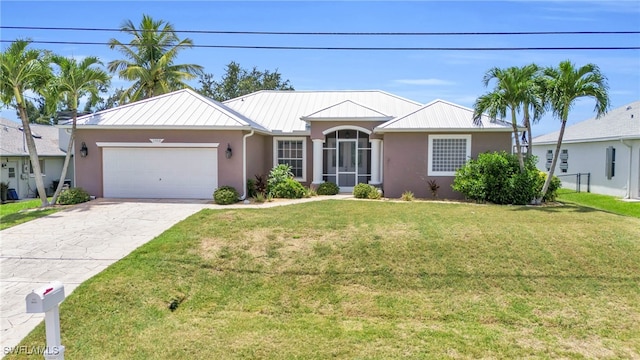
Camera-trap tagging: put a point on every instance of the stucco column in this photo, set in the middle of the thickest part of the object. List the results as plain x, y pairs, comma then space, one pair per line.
375, 161
317, 161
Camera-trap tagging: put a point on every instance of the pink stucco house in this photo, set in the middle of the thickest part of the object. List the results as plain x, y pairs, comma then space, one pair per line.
184, 145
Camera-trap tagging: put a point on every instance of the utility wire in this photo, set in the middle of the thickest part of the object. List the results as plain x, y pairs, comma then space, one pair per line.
624, 32
360, 48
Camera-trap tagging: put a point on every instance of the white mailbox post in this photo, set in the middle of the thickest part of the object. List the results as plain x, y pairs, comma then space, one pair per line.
47, 300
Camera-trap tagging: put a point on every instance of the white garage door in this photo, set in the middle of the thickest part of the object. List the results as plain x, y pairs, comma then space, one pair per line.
189, 173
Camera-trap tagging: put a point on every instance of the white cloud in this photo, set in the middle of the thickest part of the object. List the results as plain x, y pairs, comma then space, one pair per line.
428, 82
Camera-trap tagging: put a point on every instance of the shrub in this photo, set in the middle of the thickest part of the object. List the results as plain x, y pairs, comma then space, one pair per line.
375, 194
433, 187
259, 198
251, 188
261, 184
309, 192
407, 196
277, 175
365, 191
225, 195
73, 196
496, 177
328, 188
554, 185
288, 189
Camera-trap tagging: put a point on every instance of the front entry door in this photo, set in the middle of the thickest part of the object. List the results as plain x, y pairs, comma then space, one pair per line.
347, 164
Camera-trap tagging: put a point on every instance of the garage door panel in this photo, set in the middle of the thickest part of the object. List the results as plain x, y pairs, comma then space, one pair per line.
159, 172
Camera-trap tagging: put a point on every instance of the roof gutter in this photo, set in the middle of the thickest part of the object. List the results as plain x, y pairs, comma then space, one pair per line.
244, 164
628, 195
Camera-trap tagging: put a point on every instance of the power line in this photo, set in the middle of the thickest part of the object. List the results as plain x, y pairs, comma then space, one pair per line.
330, 48
229, 32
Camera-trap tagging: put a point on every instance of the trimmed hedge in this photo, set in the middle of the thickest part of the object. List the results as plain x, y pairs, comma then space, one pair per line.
72, 196
328, 188
226, 195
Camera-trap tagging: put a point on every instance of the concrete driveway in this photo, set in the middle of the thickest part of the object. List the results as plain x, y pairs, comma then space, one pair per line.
71, 246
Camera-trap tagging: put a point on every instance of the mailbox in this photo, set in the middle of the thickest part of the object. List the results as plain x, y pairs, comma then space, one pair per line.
45, 298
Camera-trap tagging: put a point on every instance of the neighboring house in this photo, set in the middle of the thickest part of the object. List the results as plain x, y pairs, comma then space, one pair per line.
14, 155
607, 148
184, 145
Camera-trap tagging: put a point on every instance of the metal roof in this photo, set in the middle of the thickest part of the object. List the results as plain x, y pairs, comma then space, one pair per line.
283, 110
180, 109
347, 110
441, 115
12, 142
619, 123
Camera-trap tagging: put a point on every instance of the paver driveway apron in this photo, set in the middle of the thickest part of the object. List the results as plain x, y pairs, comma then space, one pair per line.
71, 246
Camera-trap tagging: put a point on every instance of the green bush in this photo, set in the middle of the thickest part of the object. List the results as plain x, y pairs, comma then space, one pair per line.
496, 178
375, 193
363, 191
407, 196
288, 189
226, 195
277, 175
328, 188
251, 188
73, 196
554, 185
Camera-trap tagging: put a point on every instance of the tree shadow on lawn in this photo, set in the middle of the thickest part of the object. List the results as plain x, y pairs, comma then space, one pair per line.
560, 207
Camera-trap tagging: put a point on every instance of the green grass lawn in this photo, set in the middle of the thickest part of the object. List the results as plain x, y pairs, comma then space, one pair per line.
12, 214
368, 280
601, 202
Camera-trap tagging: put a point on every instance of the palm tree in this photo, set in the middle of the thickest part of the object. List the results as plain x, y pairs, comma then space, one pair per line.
22, 70
150, 58
74, 81
514, 91
563, 86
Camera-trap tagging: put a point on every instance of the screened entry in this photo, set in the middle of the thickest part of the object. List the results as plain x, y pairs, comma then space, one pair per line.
347, 158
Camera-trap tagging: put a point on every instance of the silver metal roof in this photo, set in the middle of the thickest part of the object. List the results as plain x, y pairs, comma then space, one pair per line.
12, 142
441, 115
283, 110
180, 109
619, 123
347, 110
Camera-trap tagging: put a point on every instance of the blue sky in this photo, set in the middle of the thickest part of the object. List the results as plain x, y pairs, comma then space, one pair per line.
422, 76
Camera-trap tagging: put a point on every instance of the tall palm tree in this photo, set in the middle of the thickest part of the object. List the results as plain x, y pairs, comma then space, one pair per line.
24, 70
563, 86
150, 58
514, 91
75, 80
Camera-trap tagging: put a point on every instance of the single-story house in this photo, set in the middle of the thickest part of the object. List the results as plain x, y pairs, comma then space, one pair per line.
16, 167
608, 149
184, 145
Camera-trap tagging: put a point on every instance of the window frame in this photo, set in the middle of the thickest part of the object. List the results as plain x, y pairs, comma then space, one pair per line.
431, 172
304, 153
42, 168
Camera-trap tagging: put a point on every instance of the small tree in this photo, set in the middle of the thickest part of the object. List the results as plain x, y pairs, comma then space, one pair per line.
238, 81
23, 70
73, 81
563, 86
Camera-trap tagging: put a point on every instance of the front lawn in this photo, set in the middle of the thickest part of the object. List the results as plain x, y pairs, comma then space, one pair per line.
602, 202
12, 214
368, 279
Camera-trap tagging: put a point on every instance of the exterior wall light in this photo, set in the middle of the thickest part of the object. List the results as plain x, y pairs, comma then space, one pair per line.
229, 152
83, 150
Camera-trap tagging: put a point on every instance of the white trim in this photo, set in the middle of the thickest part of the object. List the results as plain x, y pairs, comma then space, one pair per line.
304, 153
346, 127
430, 152
157, 145
378, 130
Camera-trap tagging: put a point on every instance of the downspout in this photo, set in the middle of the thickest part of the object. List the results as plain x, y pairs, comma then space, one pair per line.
628, 196
244, 164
